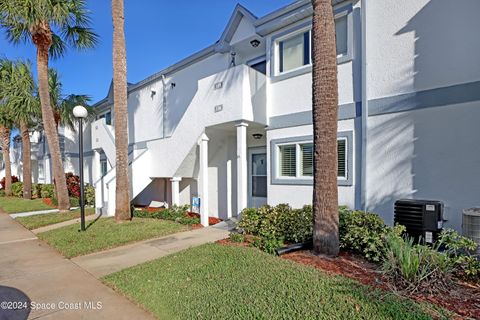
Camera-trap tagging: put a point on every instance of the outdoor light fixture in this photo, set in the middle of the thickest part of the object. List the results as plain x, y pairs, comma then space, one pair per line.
80, 112
257, 136
255, 43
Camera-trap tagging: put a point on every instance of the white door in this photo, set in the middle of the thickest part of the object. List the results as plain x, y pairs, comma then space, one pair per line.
257, 173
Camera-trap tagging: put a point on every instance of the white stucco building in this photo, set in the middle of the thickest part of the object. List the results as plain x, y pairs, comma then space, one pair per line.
232, 123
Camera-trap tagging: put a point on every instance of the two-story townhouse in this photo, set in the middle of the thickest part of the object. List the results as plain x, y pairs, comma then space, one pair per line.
232, 123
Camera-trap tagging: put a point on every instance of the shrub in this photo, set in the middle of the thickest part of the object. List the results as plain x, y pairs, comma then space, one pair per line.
74, 202
268, 244
17, 189
2, 193
47, 191
37, 190
73, 184
89, 195
460, 251
175, 213
14, 179
296, 224
249, 221
364, 233
415, 267
236, 237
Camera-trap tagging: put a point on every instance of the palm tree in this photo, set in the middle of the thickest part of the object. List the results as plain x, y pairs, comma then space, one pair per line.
51, 25
325, 117
6, 71
63, 105
25, 110
122, 199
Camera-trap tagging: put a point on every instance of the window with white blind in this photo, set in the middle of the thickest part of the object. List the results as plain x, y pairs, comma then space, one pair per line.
342, 157
306, 152
288, 160
292, 160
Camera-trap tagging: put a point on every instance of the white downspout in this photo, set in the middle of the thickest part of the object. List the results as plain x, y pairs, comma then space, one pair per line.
363, 185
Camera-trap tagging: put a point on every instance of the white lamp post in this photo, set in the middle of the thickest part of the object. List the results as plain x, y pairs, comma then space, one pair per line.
80, 112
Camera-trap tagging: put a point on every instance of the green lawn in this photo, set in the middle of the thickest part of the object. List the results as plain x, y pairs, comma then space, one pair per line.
105, 233
15, 205
223, 282
41, 220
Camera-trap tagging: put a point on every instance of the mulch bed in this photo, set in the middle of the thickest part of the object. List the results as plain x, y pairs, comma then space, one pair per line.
463, 298
48, 202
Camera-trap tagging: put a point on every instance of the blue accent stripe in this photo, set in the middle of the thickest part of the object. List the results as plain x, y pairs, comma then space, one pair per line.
439, 97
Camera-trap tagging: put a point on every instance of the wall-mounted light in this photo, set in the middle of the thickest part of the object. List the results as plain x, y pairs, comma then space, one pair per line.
173, 85
255, 43
153, 92
257, 136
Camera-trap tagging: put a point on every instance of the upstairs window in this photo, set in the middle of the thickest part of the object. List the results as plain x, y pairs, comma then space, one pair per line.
294, 52
293, 48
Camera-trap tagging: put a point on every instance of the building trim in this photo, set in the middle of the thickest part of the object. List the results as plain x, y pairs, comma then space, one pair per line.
438, 97
345, 112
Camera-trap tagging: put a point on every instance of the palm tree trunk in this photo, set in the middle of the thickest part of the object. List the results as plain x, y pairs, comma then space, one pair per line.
122, 198
27, 161
49, 122
325, 117
5, 136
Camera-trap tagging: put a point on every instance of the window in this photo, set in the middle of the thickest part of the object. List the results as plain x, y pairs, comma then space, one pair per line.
306, 151
107, 116
103, 167
293, 47
342, 157
341, 31
292, 160
288, 160
294, 52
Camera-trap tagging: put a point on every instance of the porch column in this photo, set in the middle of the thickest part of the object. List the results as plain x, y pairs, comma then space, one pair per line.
203, 180
97, 172
176, 190
242, 180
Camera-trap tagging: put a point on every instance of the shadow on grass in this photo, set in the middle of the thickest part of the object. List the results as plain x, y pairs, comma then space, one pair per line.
92, 222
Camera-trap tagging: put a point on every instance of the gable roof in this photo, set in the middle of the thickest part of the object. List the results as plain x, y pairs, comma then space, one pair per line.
288, 14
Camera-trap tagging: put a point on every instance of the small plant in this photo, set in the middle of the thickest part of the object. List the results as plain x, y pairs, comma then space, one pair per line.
236, 237
460, 251
47, 191
17, 189
73, 184
14, 179
89, 195
414, 267
2, 193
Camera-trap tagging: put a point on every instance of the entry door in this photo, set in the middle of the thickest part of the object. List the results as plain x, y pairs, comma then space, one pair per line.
257, 177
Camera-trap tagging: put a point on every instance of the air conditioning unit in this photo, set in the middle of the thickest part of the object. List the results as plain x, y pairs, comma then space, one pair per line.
423, 219
471, 225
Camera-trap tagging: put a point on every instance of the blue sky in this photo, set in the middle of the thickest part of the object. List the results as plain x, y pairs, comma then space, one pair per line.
158, 34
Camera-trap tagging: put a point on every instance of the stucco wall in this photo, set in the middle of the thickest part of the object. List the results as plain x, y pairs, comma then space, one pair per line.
415, 45
429, 154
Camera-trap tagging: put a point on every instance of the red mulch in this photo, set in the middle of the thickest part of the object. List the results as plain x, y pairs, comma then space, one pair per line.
463, 299
48, 202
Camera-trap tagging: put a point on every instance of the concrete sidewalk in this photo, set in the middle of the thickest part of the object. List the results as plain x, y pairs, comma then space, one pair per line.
56, 286
102, 263
64, 223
